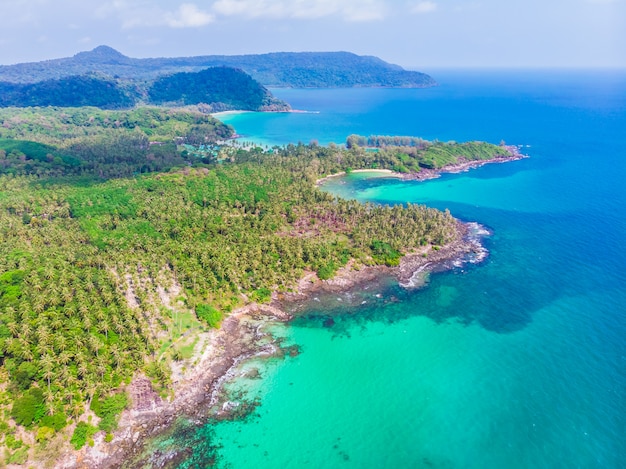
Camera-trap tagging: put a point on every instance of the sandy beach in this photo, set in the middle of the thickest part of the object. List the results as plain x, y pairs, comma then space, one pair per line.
217, 115
425, 174
378, 172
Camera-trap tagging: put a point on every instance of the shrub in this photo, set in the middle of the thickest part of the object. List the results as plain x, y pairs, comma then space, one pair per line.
13, 443
56, 421
327, 271
108, 410
262, 295
211, 316
29, 408
25, 375
44, 433
19, 457
383, 253
82, 432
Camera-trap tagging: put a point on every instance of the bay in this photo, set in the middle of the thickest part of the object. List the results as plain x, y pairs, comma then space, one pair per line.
517, 362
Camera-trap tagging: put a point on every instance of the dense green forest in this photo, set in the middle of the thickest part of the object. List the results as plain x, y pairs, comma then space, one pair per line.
93, 142
102, 278
411, 154
281, 69
218, 88
72, 254
222, 88
73, 91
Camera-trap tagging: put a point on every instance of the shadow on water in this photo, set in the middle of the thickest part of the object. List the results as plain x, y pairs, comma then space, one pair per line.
502, 294
185, 445
190, 443
442, 299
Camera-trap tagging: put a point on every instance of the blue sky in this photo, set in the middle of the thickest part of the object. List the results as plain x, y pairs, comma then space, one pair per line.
418, 34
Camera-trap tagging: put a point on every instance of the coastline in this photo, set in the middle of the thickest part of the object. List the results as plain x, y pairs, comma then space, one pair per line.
385, 172
233, 112
463, 166
199, 392
196, 394
465, 248
219, 114
425, 173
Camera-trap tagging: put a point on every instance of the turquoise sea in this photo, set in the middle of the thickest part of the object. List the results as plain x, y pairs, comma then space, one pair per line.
517, 362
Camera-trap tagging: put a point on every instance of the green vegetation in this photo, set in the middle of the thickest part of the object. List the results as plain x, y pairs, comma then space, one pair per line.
411, 154
283, 69
383, 253
29, 408
210, 315
218, 88
93, 142
222, 88
71, 91
102, 279
82, 434
109, 409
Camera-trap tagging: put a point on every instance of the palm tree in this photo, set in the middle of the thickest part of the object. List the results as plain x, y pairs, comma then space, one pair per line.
104, 327
47, 364
94, 344
49, 399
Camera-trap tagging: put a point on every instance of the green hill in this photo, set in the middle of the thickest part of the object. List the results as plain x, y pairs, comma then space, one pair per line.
73, 91
221, 87
280, 69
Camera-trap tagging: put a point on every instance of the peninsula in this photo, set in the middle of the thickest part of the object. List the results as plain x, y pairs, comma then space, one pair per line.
140, 253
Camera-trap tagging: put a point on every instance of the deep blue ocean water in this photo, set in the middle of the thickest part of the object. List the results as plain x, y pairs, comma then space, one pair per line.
517, 362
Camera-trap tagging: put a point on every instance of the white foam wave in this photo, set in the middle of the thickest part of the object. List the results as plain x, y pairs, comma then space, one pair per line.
418, 279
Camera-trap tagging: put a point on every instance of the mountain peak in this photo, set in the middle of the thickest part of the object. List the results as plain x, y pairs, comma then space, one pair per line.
101, 54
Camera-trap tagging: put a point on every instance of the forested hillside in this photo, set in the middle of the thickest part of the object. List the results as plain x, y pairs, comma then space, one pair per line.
85, 265
222, 88
92, 142
219, 88
71, 91
411, 154
280, 69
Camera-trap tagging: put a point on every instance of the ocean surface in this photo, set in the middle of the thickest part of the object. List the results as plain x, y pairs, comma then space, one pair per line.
516, 362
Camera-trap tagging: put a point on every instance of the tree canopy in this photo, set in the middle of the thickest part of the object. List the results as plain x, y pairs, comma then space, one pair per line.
86, 262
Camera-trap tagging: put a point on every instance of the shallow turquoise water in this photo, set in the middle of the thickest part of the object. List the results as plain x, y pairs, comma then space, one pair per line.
517, 362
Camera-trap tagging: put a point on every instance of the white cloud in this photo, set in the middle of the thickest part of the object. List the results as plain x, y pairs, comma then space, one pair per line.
424, 7
188, 16
141, 13
349, 10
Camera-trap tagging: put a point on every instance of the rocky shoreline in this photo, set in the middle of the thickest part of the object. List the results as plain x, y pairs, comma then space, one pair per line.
425, 173
466, 165
465, 248
239, 338
198, 395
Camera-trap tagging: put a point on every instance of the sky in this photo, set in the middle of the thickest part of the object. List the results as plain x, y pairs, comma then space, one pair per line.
416, 34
